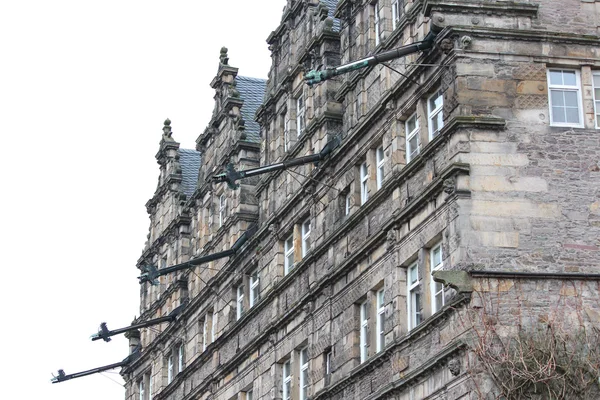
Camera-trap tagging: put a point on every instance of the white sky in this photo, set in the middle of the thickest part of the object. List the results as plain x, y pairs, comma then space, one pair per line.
84, 89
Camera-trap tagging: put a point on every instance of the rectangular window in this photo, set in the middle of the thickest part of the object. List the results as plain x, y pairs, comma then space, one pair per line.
596, 81
364, 183
288, 249
395, 13
222, 209
300, 114
249, 395
304, 373
364, 326
150, 385
213, 328
380, 162
254, 287
411, 127
437, 289
180, 359
380, 321
377, 23
305, 237
414, 296
287, 381
205, 332
328, 356
286, 132
170, 369
240, 301
435, 104
564, 91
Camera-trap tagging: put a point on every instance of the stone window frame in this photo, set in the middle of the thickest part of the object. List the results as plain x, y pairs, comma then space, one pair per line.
380, 166
397, 8
410, 135
596, 97
434, 285
364, 330
434, 113
239, 301
305, 235
254, 285
380, 319
376, 22
288, 254
565, 88
364, 182
300, 105
414, 296
303, 361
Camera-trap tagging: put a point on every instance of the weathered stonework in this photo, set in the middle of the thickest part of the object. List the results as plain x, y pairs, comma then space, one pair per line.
497, 190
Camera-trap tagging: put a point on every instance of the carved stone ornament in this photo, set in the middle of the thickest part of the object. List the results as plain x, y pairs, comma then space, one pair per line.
167, 129
447, 45
465, 42
450, 185
454, 366
391, 238
223, 59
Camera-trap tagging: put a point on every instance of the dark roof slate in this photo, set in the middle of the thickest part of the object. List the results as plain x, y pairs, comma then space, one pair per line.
189, 160
331, 5
252, 91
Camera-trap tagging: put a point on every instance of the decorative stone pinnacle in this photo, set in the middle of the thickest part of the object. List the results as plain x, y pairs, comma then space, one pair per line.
167, 128
223, 59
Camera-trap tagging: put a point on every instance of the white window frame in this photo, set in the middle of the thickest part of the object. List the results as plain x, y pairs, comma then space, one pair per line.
380, 158
377, 23
300, 114
180, 358
364, 326
286, 133
288, 249
141, 390
305, 237
434, 267
328, 357
596, 97
303, 373
222, 209
380, 320
413, 296
286, 380
249, 395
364, 183
565, 88
150, 385
432, 114
170, 368
412, 153
395, 13
254, 287
239, 301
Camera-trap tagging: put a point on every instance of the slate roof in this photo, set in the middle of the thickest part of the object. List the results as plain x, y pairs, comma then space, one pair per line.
189, 160
252, 91
331, 5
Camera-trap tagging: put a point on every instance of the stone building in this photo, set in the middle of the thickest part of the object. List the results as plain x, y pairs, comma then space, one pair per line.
476, 162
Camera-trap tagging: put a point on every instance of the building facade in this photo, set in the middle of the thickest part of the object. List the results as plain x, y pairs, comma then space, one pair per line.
476, 163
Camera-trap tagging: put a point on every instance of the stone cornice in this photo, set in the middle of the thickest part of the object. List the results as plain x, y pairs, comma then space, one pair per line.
527, 35
519, 8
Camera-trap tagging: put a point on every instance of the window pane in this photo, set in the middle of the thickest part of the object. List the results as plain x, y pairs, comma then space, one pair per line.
572, 115
435, 102
557, 98
569, 78
597, 81
414, 276
558, 114
437, 256
598, 120
556, 77
411, 124
597, 94
570, 99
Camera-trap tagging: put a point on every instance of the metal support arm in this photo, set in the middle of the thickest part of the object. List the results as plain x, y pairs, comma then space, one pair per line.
64, 377
313, 77
105, 334
231, 175
151, 273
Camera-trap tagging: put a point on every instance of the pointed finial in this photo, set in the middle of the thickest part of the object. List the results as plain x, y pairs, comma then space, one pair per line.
167, 128
223, 59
